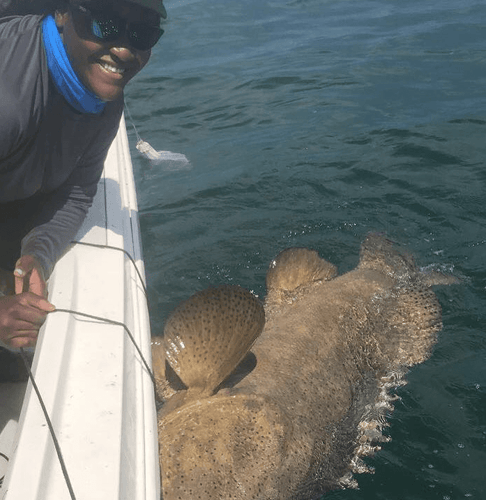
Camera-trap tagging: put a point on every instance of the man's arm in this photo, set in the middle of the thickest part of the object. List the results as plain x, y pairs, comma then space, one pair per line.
61, 218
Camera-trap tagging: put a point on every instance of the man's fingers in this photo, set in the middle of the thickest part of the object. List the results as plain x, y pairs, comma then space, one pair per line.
24, 311
23, 339
44, 305
37, 284
21, 317
19, 275
29, 276
37, 302
30, 319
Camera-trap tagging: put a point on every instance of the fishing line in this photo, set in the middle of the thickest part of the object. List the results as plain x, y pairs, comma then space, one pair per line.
143, 146
131, 121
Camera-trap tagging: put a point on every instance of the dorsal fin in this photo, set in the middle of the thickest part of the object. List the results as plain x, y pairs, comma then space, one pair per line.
295, 267
378, 252
207, 336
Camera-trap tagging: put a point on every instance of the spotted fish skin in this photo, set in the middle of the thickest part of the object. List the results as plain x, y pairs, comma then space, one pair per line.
309, 400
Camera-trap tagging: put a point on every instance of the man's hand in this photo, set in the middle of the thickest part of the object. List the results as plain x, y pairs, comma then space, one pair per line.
29, 276
21, 316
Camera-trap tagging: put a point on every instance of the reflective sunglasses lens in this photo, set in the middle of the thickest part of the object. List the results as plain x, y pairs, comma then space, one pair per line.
144, 37
105, 29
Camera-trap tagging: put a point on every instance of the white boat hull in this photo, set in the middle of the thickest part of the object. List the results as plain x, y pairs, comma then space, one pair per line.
96, 389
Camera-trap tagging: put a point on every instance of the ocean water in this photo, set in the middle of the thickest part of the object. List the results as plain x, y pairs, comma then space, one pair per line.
311, 123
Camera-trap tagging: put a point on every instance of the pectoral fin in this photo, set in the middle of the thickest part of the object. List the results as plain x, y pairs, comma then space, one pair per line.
207, 336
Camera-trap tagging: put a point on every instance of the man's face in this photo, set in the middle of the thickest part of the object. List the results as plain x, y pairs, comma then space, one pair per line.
104, 67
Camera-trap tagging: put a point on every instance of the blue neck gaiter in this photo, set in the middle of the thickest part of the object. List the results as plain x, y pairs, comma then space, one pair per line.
65, 79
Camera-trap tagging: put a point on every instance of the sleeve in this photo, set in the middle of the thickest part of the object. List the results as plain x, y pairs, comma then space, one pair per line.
21, 84
9, 122
65, 209
61, 217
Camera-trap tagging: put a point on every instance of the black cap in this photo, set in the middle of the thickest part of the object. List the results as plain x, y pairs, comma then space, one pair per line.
156, 5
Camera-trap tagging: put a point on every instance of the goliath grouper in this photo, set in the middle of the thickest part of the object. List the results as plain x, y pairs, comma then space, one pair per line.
282, 402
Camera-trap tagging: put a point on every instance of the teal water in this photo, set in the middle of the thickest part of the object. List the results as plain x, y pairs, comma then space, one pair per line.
311, 123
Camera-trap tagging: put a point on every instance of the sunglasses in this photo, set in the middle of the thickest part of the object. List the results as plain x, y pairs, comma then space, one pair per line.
109, 27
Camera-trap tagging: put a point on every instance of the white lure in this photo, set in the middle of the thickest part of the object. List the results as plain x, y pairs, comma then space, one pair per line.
159, 156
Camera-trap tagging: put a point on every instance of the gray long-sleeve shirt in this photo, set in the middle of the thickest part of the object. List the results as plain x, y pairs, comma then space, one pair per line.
45, 145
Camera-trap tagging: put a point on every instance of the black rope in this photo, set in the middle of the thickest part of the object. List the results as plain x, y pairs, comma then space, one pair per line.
6, 458
41, 401
49, 424
118, 323
98, 318
132, 260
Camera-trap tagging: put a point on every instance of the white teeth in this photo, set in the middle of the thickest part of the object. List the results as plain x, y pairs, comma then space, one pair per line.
111, 68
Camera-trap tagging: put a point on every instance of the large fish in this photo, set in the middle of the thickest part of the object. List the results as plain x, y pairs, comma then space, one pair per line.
282, 404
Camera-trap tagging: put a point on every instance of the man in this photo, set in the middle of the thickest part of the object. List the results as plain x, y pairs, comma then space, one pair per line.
62, 76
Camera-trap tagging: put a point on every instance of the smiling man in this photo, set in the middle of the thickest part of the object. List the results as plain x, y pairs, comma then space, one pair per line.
105, 51
62, 75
